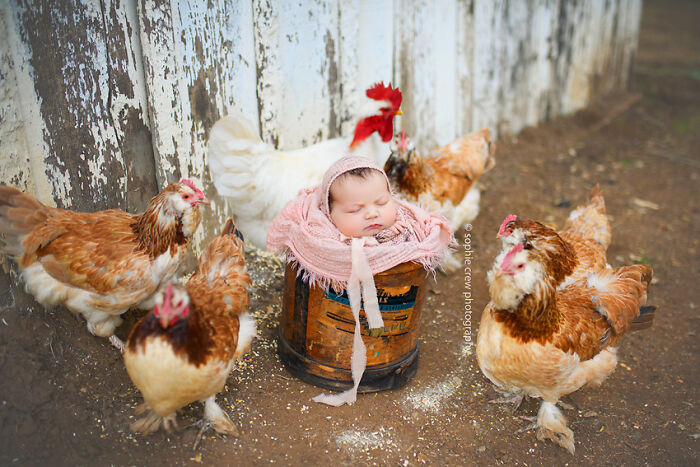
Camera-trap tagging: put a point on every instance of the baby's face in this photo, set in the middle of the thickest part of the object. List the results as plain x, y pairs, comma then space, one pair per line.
362, 206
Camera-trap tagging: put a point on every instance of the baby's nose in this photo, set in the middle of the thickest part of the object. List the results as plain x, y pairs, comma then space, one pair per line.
372, 212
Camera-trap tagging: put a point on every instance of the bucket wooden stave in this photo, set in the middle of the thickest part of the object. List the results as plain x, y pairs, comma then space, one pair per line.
317, 327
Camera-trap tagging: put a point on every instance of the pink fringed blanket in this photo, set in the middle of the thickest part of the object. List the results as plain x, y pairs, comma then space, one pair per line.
325, 257
312, 241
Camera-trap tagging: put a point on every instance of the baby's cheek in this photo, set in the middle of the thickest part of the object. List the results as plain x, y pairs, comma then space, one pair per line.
393, 213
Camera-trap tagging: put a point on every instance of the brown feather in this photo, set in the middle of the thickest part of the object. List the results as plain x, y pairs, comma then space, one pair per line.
448, 173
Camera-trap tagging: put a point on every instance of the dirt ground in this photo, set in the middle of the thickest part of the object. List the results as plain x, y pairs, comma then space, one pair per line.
66, 399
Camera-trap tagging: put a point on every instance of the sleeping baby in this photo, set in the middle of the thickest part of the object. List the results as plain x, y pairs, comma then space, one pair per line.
349, 228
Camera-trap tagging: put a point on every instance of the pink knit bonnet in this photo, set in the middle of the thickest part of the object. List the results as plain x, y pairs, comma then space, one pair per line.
341, 166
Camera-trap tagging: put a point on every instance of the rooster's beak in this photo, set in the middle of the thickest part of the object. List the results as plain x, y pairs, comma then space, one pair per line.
398, 112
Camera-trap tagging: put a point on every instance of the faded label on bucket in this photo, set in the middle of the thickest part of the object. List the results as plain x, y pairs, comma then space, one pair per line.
396, 311
386, 301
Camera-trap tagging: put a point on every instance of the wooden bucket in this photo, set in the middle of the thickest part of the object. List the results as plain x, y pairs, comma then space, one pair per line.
317, 328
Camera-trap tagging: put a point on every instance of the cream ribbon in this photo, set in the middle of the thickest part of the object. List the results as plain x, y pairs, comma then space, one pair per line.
360, 288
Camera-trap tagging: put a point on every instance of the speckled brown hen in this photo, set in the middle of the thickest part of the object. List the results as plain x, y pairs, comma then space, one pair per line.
443, 182
184, 350
103, 263
548, 341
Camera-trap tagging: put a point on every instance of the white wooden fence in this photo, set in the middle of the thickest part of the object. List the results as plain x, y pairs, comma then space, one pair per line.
104, 102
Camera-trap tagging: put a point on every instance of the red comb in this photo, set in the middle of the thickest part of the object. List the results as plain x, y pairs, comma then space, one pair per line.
509, 256
190, 183
385, 93
502, 228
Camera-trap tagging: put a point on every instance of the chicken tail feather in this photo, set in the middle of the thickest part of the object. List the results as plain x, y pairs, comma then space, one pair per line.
19, 215
231, 229
591, 220
645, 318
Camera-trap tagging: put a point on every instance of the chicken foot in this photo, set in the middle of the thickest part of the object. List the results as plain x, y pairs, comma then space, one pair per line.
219, 420
552, 426
117, 342
216, 418
152, 422
515, 399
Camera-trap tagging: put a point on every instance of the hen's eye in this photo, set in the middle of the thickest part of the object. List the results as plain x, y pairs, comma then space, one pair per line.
186, 196
520, 266
527, 246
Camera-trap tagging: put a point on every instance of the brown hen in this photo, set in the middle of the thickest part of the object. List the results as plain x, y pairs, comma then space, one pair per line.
99, 264
184, 350
444, 182
545, 339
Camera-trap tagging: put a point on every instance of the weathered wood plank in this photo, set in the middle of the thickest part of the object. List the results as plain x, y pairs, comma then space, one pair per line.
168, 99
464, 66
426, 71
199, 64
216, 52
80, 152
297, 59
234, 62
488, 63
15, 164
366, 53
128, 102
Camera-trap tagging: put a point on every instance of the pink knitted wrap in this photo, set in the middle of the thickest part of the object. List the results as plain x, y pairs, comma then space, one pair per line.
305, 232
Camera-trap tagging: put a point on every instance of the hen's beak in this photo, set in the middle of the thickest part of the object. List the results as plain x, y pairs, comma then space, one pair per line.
501, 273
204, 200
164, 321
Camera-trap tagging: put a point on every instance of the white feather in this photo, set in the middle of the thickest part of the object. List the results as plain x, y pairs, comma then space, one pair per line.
246, 333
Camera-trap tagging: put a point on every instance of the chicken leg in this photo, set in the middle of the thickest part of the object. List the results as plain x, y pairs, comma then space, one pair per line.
552, 426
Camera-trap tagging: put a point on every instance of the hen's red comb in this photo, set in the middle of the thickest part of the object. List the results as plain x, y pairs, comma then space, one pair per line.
380, 92
509, 256
190, 183
502, 228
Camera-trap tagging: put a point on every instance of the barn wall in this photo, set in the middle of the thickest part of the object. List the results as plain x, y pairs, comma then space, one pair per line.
102, 103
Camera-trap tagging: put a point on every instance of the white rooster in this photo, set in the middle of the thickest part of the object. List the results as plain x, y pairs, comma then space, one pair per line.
259, 180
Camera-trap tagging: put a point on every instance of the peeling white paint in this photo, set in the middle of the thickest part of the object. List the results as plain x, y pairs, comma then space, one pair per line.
127, 19
29, 111
296, 92
366, 54
298, 71
464, 65
15, 167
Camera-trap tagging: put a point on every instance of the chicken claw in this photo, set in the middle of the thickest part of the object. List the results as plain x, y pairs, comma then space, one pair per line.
117, 342
152, 422
516, 399
552, 426
219, 420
